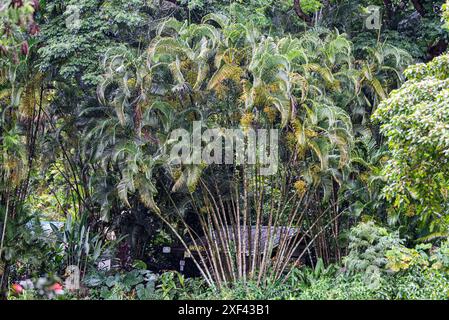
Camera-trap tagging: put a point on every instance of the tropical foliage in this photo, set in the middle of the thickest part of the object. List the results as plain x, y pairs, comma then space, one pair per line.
91, 93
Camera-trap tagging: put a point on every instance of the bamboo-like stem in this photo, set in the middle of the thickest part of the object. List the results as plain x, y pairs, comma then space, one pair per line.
309, 244
246, 227
207, 277
204, 272
4, 226
214, 233
221, 228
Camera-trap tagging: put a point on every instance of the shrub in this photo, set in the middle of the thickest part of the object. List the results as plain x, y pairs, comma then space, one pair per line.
415, 123
136, 284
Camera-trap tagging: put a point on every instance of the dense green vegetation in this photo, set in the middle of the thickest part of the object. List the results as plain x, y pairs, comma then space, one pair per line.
92, 91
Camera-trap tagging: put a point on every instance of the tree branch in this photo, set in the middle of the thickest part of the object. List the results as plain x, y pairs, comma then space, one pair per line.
419, 7
301, 14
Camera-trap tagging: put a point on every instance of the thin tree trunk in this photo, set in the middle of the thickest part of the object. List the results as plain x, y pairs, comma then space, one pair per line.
419, 7
4, 282
301, 14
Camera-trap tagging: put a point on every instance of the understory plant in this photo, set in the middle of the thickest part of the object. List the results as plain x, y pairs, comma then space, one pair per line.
134, 284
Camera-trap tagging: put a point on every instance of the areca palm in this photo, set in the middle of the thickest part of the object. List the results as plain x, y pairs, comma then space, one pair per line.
231, 74
379, 73
194, 65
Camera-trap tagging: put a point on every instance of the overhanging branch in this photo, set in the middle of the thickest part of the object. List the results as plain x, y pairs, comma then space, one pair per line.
301, 14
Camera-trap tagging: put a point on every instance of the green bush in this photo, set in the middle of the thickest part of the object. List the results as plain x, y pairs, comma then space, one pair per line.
136, 284
378, 266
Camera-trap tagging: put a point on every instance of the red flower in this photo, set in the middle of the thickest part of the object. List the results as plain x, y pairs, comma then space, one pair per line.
56, 287
33, 28
17, 288
24, 48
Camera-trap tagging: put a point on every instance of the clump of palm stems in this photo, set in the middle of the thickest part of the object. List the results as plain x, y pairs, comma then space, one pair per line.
312, 87
252, 227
